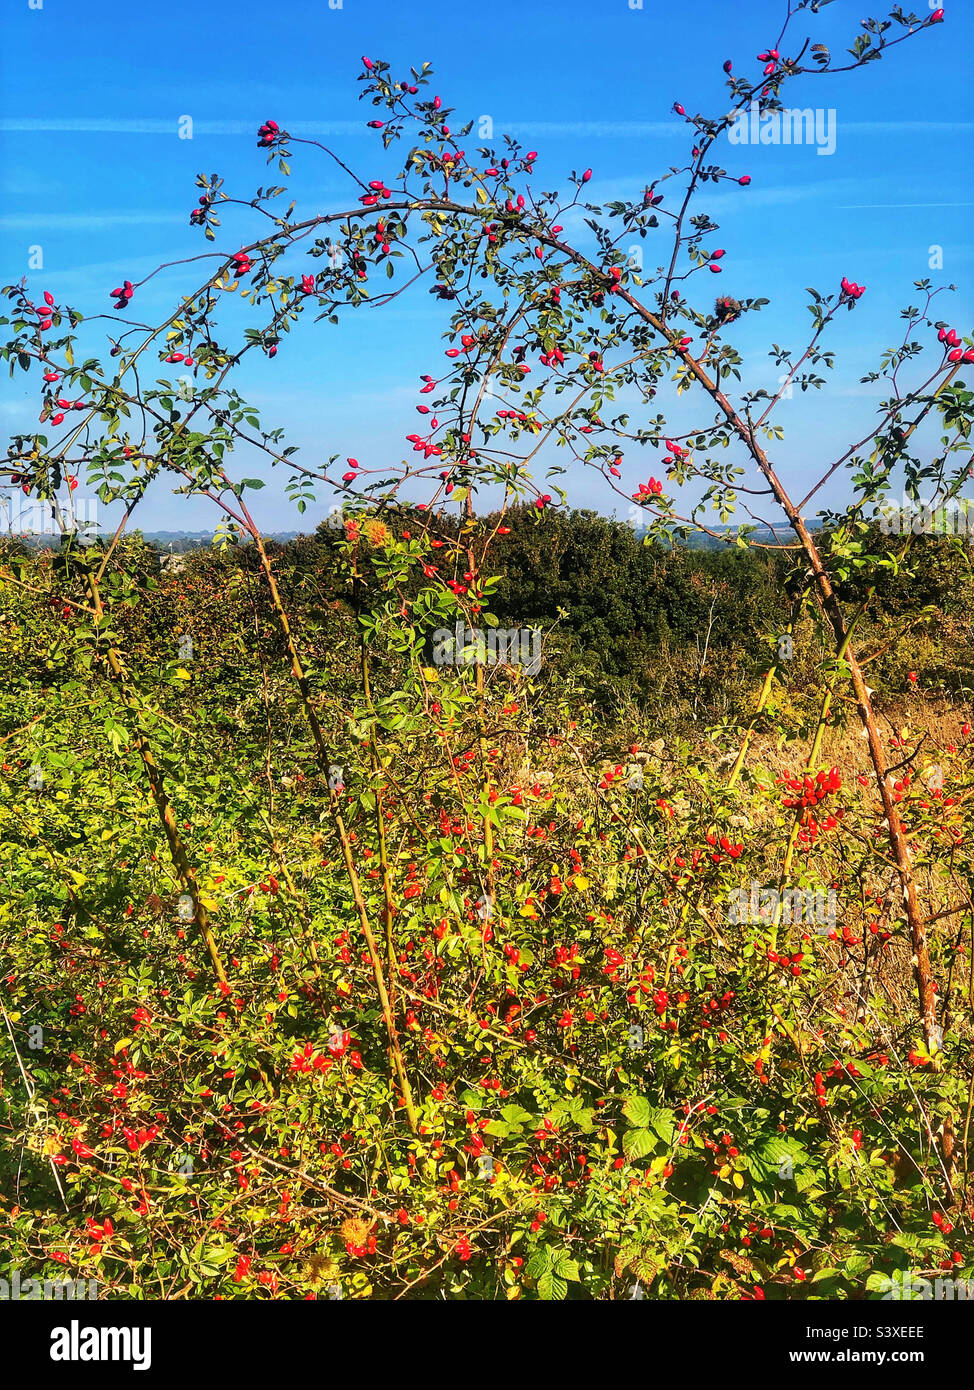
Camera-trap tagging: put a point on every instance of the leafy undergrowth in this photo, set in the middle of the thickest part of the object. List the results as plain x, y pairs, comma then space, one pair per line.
622, 1087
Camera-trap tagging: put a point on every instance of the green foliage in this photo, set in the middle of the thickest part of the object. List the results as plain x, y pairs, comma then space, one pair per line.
559, 1153
338, 960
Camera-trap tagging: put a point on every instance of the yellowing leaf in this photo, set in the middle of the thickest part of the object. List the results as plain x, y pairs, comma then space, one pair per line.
580, 882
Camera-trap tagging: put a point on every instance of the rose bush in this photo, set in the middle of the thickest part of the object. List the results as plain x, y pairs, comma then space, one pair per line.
329, 970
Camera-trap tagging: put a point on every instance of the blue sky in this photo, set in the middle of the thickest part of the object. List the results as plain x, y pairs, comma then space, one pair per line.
92, 171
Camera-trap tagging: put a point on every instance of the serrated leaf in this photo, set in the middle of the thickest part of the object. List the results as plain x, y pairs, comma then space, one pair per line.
516, 1114
637, 1110
664, 1124
637, 1143
500, 1129
551, 1288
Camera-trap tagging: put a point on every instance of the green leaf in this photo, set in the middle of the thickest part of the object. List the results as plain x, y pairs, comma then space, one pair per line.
539, 1262
777, 1155
664, 1124
638, 1110
637, 1143
551, 1288
516, 1114
501, 1129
